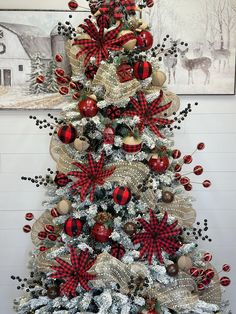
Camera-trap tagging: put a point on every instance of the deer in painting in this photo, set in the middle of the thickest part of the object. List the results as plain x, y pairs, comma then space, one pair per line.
170, 61
202, 63
221, 55
198, 50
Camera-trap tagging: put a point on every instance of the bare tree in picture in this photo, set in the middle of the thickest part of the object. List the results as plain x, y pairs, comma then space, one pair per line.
203, 63
229, 20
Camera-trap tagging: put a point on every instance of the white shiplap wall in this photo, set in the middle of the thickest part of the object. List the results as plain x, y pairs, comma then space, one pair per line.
24, 151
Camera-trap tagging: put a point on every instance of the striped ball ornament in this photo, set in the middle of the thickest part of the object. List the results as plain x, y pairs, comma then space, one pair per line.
142, 69
117, 250
121, 195
73, 227
225, 281
67, 133
29, 216
61, 179
27, 228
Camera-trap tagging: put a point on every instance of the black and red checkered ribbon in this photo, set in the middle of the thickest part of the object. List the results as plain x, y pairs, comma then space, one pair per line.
74, 273
157, 236
116, 8
100, 44
131, 148
90, 176
147, 112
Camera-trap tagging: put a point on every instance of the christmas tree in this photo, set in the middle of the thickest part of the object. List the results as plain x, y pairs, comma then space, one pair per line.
119, 233
50, 79
37, 79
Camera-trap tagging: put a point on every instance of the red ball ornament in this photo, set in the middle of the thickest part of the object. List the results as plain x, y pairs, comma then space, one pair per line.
73, 5
149, 3
207, 257
206, 281
177, 168
73, 85
49, 228
176, 153
121, 195
142, 69
54, 213
29, 216
184, 181
188, 187
226, 268
90, 71
58, 58
40, 79
43, 248
73, 227
117, 250
200, 286
144, 40
42, 235
158, 164
200, 146
61, 179
194, 272
52, 237
101, 233
109, 135
76, 96
198, 170
67, 133
27, 228
62, 80
209, 273
225, 281
88, 107
59, 72
64, 90
177, 176
206, 183
187, 159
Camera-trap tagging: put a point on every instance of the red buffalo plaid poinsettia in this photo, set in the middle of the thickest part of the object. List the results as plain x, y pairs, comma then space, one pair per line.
147, 112
117, 7
158, 236
90, 176
99, 44
74, 273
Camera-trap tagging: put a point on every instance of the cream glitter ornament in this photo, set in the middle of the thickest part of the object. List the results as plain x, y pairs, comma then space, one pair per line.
63, 207
81, 144
185, 263
158, 78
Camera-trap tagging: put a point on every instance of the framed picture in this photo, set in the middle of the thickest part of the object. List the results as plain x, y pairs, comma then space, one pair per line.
207, 65
29, 41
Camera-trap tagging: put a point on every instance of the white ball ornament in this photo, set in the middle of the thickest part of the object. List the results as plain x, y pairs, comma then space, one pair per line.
63, 207
185, 263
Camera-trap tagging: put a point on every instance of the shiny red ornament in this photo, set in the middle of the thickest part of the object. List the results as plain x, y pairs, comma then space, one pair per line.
176, 153
108, 135
184, 181
188, 187
73, 227
29, 216
226, 268
206, 281
150, 3
73, 85
209, 273
144, 40
158, 164
194, 272
54, 213
142, 69
101, 233
177, 176
61, 179
76, 96
200, 286
206, 183
200, 146
43, 248
52, 237
124, 72
187, 159
88, 107
225, 281
62, 80
207, 257
42, 235
40, 79
64, 90
58, 58
177, 168
73, 5
59, 72
122, 195
198, 170
27, 228
49, 228
67, 133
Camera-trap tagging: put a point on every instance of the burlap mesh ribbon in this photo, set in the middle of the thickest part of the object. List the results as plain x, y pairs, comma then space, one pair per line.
76, 64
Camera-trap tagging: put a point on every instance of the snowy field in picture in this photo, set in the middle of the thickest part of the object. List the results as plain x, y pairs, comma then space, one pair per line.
29, 41
209, 28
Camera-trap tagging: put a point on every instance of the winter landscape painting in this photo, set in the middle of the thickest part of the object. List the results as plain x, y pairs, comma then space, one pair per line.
29, 41
207, 65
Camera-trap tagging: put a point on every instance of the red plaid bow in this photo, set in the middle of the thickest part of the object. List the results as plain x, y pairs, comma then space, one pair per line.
147, 112
74, 273
100, 43
158, 236
116, 8
90, 176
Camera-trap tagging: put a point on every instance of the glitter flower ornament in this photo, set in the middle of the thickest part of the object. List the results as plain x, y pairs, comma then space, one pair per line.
147, 112
74, 273
99, 44
157, 236
90, 176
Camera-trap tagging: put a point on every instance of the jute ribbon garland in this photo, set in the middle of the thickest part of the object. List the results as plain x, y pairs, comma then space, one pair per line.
115, 91
44, 264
